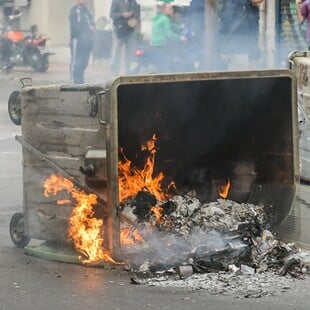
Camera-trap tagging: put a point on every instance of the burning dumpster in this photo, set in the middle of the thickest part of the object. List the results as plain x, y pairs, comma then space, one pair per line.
88, 148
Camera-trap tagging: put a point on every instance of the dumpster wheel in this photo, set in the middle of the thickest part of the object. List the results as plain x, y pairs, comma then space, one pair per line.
14, 107
17, 230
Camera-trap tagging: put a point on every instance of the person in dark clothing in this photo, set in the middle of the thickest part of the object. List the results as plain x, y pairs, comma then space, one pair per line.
82, 28
303, 14
10, 21
195, 18
195, 21
239, 29
5, 54
125, 15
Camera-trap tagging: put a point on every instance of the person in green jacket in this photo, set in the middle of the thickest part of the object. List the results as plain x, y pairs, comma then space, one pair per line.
163, 36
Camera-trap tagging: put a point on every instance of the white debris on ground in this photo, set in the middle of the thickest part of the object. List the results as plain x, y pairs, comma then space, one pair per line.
223, 283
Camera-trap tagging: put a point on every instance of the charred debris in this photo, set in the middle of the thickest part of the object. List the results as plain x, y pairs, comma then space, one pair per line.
182, 239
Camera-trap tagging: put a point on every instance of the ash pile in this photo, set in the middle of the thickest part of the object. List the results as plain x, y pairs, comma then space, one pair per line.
223, 247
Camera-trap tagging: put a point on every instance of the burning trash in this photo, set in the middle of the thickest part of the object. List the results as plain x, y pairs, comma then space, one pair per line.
211, 237
223, 247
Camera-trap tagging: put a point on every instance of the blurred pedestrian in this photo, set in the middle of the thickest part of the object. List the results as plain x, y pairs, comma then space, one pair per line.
82, 28
195, 18
5, 53
164, 37
303, 14
195, 21
125, 15
239, 30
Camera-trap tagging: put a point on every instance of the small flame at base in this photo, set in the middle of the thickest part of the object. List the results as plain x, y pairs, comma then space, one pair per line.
224, 189
130, 236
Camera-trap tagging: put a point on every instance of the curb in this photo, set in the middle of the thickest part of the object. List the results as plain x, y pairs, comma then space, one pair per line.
59, 73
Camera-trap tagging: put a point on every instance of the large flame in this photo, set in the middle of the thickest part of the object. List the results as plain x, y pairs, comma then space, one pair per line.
85, 230
133, 180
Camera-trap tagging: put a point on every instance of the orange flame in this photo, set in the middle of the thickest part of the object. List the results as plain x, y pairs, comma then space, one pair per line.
84, 229
130, 236
224, 189
133, 180
158, 212
64, 202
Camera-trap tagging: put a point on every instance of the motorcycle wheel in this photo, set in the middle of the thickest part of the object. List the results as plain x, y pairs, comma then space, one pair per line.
15, 107
17, 232
40, 63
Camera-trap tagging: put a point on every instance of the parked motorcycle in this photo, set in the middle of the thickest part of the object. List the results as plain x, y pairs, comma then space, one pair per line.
17, 48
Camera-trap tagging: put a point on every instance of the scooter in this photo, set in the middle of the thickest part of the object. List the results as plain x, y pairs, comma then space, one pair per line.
19, 49
146, 60
184, 57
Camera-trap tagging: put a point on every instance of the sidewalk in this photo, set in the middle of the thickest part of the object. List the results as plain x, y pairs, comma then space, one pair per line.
58, 71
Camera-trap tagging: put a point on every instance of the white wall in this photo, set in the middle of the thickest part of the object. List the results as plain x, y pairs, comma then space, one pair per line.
102, 8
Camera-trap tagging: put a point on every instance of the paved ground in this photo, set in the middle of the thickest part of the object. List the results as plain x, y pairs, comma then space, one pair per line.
97, 71
59, 73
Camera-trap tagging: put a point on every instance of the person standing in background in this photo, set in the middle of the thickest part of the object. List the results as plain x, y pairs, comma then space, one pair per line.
239, 30
195, 21
303, 14
164, 37
82, 30
125, 15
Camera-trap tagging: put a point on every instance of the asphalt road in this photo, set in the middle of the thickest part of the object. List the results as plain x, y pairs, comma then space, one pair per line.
28, 282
